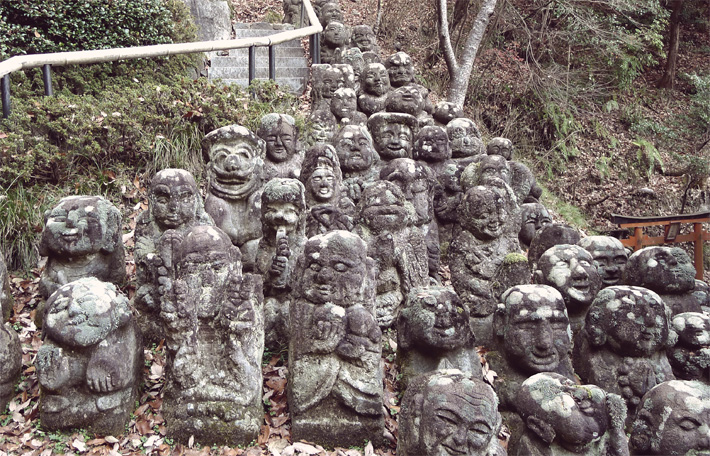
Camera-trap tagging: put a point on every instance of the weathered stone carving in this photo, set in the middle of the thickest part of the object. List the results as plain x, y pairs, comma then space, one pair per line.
532, 335
283, 218
323, 126
408, 99
335, 347
283, 159
356, 59
570, 270
500, 146
673, 420
336, 36
522, 180
374, 85
328, 208
344, 107
534, 216
448, 412
6, 300
174, 203
358, 158
10, 363
292, 12
364, 38
393, 134
668, 271
447, 197
329, 11
465, 138
81, 238
384, 223
325, 80
445, 112
549, 236
215, 341
401, 71
89, 364
690, 356
563, 418
433, 330
432, 147
609, 257
236, 159
622, 345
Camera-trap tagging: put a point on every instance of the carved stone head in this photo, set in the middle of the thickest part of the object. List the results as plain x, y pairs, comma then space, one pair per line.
665, 270
207, 250
364, 38
693, 329
382, 207
174, 199
570, 270
393, 134
548, 236
407, 99
485, 212
447, 413
534, 216
82, 313
375, 80
491, 170
533, 325
416, 182
330, 11
79, 226
446, 111
280, 134
465, 138
323, 125
355, 149
629, 321
432, 145
673, 419
343, 103
500, 146
558, 410
326, 79
283, 207
321, 175
609, 257
400, 68
336, 34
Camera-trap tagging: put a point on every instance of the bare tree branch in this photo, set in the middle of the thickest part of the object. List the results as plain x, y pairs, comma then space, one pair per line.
445, 39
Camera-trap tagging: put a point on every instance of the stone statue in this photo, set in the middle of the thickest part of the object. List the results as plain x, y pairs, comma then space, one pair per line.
235, 159
534, 216
548, 236
336, 36
6, 300
364, 38
323, 125
10, 363
417, 183
448, 412
489, 170
690, 356
408, 99
702, 294
401, 71
174, 203
445, 112
563, 418
500, 146
335, 384
344, 107
433, 331
90, 363
570, 270
81, 238
328, 208
477, 253
673, 420
393, 134
325, 80
374, 86
522, 179
283, 159
668, 271
432, 148
292, 12
330, 11
283, 218
215, 342
622, 345
356, 59
384, 223
447, 197
609, 257
533, 335
358, 159
465, 138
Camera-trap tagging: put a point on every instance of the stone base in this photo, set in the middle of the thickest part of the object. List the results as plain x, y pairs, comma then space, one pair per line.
104, 415
331, 424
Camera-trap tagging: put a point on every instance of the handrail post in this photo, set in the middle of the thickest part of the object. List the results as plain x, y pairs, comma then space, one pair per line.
252, 63
5, 89
272, 62
47, 78
300, 22
315, 49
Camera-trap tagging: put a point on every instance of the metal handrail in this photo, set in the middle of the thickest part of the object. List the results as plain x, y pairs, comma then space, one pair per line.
23, 62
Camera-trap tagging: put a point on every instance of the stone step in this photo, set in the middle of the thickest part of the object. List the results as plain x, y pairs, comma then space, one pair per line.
295, 85
263, 52
260, 72
240, 62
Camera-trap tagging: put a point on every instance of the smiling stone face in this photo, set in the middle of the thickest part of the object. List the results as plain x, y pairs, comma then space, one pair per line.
77, 226
534, 216
382, 207
355, 150
393, 134
484, 211
661, 269
609, 257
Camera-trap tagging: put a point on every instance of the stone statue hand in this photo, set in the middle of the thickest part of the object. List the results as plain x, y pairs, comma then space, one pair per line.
278, 265
62, 278
53, 367
100, 378
635, 379
327, 335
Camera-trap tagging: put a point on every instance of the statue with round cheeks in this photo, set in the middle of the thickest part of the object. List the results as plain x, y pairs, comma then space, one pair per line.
432, 145
534, 216
400, 68
355, 149
323, 125
673, 420
335, 35
490, 170
325, 79
570, 270
416, 182
406, 99
344, 107
382, 207
393, 134
485, 212
563, 417
280, 133
449, 413
465, 138
690, 356
500, 146
609, 257
374, 86
364, 38
174, 199
666, 270
446, 111
329, 12
548, 236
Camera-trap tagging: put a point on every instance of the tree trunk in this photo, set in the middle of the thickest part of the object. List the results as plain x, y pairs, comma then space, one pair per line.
667, 81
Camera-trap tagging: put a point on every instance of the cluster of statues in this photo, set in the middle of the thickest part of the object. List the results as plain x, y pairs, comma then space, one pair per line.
325, 241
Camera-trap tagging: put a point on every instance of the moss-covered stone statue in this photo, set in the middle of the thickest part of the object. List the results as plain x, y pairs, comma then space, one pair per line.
283, 157
609, 257
534, 216
358, 159
10, 363
690, 356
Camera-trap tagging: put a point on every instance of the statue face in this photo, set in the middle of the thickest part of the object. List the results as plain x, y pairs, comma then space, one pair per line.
609, 258
693, 329
335, 268
486, 213
81, 314
494, 171
535, 216
636, 324
439, 320
571, 271
401, 72
454, 424
355, 150
322, 184
279, 214
405, 99
281, 142
664, 269
536, 335
375, 80
500, 146
344, 103
462, 136
330, 81
173, 202
394, 141
335, 34
364, 38
409, 176
331, 12
75, 228
383, 208
433, 145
